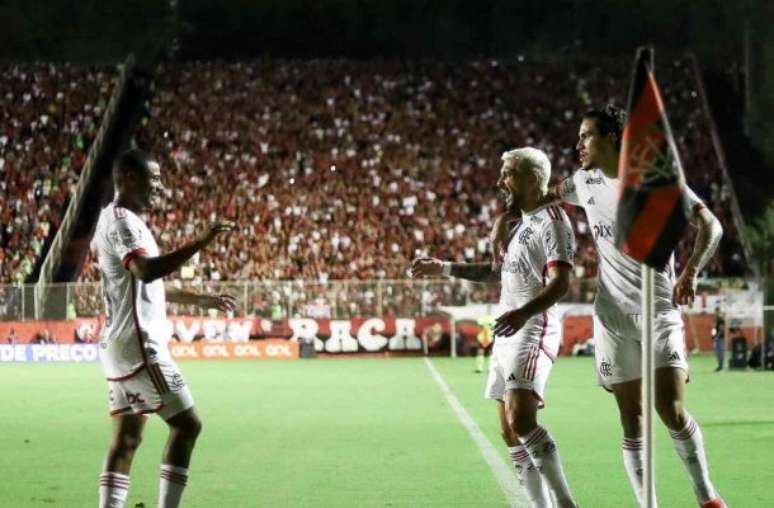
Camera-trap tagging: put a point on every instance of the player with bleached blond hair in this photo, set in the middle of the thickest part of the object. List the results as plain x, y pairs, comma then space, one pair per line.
534, 272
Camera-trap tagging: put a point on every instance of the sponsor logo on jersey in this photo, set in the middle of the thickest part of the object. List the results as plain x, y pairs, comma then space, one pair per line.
591, 201
594, 180
511, 265
525, 235
675, 356
606, 369
134, 398
603, 231
511, 377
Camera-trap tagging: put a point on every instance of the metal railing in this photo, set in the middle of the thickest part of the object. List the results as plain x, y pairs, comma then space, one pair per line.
340, 299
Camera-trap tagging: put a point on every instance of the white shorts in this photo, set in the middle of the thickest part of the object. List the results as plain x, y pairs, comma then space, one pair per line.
617, 343
156, 388
518, 365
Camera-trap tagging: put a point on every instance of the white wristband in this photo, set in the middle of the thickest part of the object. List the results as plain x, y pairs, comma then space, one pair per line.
446, 268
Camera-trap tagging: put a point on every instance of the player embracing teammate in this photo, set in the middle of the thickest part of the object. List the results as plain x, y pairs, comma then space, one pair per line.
617, 306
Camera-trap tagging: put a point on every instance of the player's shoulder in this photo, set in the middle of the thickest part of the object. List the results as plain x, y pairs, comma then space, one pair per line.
118, 215
551, 214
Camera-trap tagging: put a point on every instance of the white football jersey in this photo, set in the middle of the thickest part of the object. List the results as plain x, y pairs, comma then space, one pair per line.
540, 240
619, 278
135, 330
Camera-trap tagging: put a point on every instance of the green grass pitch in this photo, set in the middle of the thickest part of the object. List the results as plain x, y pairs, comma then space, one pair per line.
364, 433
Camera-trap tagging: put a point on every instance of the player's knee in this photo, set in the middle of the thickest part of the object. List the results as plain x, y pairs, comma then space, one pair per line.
671, 413
127, 444
190, 429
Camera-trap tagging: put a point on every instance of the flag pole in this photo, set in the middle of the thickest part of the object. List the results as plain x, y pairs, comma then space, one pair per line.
648, 470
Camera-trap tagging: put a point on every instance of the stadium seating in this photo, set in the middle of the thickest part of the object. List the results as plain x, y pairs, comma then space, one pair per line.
337, 169
49, 115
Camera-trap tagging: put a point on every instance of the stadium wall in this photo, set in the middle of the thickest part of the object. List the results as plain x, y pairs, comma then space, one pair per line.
358, 335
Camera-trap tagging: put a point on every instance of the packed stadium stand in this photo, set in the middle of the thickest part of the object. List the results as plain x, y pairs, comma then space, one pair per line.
49, 115
330, 169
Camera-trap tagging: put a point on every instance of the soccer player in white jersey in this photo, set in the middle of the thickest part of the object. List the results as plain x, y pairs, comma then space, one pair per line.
534, 272
142, 376
617, 306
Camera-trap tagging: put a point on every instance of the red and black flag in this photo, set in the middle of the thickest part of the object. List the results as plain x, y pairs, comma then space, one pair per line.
652, 213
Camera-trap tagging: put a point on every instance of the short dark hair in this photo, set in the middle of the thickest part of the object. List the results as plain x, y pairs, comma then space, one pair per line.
609, 119
132, 161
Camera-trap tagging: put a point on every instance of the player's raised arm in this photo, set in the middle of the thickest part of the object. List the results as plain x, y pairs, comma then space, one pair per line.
432, 267
148, 269
708, 237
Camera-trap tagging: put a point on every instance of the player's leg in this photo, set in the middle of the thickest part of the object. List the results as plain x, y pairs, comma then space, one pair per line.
114, 480
686, 434
184, 429
528, 475
617, 357
628, 397
521, 407
671, 376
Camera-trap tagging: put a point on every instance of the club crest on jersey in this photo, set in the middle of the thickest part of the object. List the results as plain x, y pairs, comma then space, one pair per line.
525, 235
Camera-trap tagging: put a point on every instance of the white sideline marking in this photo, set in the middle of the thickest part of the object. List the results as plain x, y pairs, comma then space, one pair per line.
503, 473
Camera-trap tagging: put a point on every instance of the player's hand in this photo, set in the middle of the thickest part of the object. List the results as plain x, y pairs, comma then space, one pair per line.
685, 288
215, 230
425, 267
224, 302
510, 323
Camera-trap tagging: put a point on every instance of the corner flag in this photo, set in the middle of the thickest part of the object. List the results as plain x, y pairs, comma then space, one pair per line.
652, 214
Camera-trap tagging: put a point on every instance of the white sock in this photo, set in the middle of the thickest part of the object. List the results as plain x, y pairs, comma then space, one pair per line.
633, 450
171, 484
542, 450
689, 444
113, 489
529, 478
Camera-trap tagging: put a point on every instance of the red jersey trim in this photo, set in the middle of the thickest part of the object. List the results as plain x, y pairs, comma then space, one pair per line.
553, 263
132, 255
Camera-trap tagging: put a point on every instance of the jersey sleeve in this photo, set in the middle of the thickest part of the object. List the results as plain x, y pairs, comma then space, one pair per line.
558, 242
569, 189
693, 202
126, 238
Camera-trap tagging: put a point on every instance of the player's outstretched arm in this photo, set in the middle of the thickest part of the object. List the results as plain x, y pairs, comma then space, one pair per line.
707, 239
148, 269
558, 285
223, 302
432, 267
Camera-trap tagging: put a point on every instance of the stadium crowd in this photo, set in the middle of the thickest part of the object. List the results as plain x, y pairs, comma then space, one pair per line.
49, 115
330, 169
